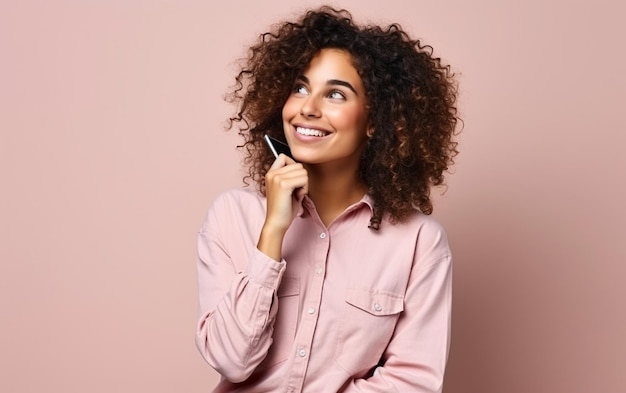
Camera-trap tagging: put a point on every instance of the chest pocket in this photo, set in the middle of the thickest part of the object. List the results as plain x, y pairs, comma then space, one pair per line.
366, 327
285, 325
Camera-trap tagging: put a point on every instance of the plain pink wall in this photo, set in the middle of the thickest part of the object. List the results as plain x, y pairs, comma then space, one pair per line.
111, 149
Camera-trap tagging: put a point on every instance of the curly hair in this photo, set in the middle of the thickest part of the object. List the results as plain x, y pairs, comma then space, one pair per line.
411, 99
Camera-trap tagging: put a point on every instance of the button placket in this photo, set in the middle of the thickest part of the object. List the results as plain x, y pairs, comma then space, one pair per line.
303, 347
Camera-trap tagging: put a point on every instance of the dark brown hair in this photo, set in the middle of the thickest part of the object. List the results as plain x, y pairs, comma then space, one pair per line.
411, 98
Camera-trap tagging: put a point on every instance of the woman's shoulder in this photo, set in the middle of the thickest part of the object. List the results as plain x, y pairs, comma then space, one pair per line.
429, 223
417, 222
234, 207
430, 235
240, 194
240, 199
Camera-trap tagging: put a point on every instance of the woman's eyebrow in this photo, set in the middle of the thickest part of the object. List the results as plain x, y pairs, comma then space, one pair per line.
342, 83
331, 82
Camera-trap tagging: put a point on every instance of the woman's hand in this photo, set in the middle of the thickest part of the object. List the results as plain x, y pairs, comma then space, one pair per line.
286, 183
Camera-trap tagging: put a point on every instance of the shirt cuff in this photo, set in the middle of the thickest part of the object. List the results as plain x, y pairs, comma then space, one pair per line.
265, 271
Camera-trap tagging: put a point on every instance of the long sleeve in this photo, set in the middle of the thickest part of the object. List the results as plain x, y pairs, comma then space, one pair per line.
416, 356
237, 297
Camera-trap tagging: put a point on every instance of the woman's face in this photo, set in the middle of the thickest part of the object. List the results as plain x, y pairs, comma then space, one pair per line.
325, 116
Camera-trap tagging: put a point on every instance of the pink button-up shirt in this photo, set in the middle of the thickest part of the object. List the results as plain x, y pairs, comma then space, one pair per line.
348, 309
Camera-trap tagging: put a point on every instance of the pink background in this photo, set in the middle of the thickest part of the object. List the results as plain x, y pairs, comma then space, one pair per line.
111, 149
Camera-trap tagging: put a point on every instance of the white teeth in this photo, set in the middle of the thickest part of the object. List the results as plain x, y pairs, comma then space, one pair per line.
309, 132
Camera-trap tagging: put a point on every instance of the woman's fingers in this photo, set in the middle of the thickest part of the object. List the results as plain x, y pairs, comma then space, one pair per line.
285, 181
279, 162
286, 176
288, 159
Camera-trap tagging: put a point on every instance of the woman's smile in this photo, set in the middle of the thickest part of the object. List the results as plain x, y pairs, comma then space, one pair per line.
311, 132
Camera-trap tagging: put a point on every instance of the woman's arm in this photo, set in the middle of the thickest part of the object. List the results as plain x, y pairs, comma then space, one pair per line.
238, 306
238, 297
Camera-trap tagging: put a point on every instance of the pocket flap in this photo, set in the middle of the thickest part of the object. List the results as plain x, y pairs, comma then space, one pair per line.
375, 302
289, 286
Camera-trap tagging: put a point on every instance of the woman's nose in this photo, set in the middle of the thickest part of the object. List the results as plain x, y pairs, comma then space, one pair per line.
310, 107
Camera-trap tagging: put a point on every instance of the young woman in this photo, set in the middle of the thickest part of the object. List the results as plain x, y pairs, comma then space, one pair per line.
331, 276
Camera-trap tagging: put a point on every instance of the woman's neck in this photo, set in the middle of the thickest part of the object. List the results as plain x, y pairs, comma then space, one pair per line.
333, 190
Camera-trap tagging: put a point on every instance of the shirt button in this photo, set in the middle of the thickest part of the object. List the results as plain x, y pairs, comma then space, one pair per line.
318, 271
302, 353
377, 307
323, 235
311, 311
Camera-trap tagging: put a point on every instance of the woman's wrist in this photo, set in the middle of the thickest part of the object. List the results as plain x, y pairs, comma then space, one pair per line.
271, 241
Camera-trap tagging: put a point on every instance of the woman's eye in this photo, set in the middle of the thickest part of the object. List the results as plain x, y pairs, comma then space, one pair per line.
300, 90
337, 95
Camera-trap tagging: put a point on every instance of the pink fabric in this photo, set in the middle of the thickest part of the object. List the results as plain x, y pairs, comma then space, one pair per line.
348, 309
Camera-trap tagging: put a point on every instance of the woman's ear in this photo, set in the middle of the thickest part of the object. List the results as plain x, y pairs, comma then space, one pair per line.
369, 132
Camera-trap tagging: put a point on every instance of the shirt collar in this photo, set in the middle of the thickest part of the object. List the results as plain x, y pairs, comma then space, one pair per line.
307, 205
